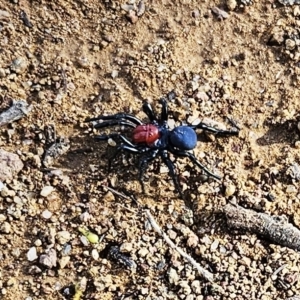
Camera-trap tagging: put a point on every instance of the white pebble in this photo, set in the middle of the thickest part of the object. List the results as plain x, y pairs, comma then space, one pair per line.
84, 240
31, 254
173, 276
214, 245
291, 189
38, 243
114, 74
111, 143
46, 214
63, 237
47, 190
126, 247
143, 252
95, 254
230, 190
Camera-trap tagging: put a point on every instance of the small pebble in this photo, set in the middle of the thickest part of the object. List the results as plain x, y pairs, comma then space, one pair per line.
173, 276
34, 270
49, 259
291, 189
84, 217
111, 143
114, 74
185, 287
5, 228
63, 237
126, 247
10, 163
66, 250
4, 14
47, 190
196, 13
95, 254
172, 234
214, 245
1, 186
231, 4
84, 240
64, 261
196, 287
32, 254
230, 190
141, 8
46, 214
38, 243
133, 18
143, 252
220, 14
83, 62
19, 65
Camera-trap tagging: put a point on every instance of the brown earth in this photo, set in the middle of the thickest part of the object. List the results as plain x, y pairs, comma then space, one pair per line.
79, 59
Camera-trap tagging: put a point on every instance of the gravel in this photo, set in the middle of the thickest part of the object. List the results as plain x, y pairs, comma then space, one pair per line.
71, 60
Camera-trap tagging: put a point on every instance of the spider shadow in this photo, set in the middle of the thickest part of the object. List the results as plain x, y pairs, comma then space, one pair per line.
82, 153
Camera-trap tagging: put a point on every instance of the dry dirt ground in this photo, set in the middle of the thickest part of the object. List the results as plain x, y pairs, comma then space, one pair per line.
76, 59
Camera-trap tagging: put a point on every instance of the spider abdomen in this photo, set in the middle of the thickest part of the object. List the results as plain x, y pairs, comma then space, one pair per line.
183, 138
145, 134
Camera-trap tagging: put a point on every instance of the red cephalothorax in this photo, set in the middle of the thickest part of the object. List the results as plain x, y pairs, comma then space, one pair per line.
145, 134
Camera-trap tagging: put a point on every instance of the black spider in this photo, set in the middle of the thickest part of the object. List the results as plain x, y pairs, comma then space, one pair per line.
155, 138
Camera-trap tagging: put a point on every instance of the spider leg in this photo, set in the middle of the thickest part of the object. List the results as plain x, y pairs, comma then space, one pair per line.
195, 161
164, 110
119, 116
214, 130
165, 157
144, 161
148, 110
113, 123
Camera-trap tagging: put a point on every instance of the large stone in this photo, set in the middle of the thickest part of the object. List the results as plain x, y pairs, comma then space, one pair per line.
10, 165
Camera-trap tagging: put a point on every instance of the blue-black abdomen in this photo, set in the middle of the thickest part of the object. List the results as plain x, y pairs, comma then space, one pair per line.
183, 137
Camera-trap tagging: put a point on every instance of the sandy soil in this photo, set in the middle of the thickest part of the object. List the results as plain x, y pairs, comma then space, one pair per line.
76, 59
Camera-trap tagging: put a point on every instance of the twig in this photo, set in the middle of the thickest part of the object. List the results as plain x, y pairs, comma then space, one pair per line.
274, 228
126, 208
206, 274
122, 195
279, 269
117, 193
